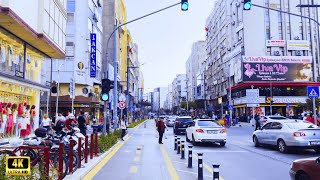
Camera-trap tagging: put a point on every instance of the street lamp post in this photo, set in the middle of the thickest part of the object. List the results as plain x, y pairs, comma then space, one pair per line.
58, 89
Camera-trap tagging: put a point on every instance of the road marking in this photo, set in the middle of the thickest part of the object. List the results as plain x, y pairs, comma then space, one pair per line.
191, 172
137, 158
133, 169
213, 151
171, 169
99, 166
208, 168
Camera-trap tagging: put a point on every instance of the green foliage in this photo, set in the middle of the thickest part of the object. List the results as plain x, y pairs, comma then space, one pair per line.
308, 105
105, 142
132, 125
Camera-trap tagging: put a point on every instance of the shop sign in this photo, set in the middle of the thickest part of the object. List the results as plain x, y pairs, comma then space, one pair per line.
82, 105
93, 61
298, 45
290, 99
277, 68
19, 74
275, 43
247, 100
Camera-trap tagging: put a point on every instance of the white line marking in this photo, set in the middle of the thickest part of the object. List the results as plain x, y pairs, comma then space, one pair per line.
192, 173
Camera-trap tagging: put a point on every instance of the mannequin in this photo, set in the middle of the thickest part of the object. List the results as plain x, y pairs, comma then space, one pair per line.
1, 122
9, 120
14, 114
20, 119
4, 120
33, 118
27, 119
24, 121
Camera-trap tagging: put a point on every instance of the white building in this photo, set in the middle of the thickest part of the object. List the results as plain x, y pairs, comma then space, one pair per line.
248, 49
83, 19
159, 98
168, 104
194, 71
179, 93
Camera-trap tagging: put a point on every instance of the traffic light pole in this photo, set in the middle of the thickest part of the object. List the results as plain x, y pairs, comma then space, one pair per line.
115, 64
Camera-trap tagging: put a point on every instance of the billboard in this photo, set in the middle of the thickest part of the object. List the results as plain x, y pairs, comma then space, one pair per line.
277, 68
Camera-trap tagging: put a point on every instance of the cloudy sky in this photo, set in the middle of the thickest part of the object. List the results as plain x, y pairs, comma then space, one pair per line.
165, 39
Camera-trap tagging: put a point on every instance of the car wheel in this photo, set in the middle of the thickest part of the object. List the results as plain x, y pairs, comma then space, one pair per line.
222, 144
188, 140
303, 176
194, 141
282, 146
256, 141
317, 150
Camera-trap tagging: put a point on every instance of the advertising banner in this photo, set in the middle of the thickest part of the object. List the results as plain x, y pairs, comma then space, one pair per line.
275, 43
277, 68
93, 61
298, 45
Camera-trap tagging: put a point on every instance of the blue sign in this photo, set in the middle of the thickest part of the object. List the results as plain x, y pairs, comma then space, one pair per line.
93, 64
131, 108
288, 105
313, 91
230, 107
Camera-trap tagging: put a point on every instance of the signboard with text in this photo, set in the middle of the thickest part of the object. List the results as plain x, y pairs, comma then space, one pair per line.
298, 45
275, 43
277, 68
93, 61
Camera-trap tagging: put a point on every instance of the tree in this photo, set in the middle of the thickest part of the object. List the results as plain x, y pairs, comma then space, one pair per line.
308, 105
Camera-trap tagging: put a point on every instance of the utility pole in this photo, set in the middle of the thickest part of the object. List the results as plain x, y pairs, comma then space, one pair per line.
230, 99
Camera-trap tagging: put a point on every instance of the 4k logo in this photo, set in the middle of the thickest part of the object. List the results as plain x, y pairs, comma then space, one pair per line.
18, 166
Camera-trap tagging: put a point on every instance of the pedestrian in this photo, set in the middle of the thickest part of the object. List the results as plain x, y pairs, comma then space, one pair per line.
123, 128
257, 118
309, 119
161, 127
82, 124
46, 122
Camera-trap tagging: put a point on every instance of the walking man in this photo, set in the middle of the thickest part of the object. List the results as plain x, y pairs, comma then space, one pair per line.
82, 124
257, 118
161, 127
123, 128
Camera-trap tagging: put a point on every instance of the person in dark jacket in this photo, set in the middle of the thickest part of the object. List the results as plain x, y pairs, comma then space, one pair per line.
82, 124
161, 127
257, 118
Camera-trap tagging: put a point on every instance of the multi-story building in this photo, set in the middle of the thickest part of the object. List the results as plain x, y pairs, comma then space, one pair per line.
32, 33
261, 49
83, 19
159, 98
179, 92
195, 74
168, 104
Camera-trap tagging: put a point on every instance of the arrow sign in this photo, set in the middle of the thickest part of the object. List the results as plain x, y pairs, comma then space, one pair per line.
313, 91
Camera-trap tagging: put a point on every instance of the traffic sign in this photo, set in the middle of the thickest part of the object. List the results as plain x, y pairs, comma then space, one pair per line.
253, 105
122, 104
313, 91
230, 107
122, 97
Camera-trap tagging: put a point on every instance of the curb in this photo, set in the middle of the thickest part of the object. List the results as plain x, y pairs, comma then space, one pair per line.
89, 166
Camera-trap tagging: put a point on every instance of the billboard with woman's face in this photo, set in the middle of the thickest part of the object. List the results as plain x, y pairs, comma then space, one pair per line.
277, 68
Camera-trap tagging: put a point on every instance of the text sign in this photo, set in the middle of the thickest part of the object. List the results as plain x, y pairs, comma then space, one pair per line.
17, 166
252, 96
93, 61
313, 91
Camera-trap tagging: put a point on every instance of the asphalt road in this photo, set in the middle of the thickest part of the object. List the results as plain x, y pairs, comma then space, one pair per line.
239, 159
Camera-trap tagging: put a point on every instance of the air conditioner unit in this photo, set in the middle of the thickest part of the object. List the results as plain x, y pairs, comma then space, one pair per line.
240, 38
238, 4
229, 48
233, 23
296, 38
298, 53
276, 53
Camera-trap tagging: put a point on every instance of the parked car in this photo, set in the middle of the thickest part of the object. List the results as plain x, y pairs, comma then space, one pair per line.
265, 119
288, 134
181, 123
170, 121
305, 169
206, 130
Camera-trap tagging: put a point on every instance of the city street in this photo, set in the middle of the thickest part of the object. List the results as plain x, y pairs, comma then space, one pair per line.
141, 157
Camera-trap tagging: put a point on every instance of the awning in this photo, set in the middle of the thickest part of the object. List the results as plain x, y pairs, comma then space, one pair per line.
13, 23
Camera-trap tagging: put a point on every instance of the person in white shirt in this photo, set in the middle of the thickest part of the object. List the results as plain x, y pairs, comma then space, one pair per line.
123, 128
46, 122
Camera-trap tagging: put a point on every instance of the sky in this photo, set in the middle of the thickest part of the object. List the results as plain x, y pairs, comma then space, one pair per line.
165, 39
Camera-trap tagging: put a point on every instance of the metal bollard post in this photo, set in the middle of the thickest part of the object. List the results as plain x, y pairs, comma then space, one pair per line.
200, 166
182, 149
215, 171
190, 157
96, 145
178, 146
91, 146
60, 168
79, 152
145, 124
175, 142
71, 156
86, 149
46, 161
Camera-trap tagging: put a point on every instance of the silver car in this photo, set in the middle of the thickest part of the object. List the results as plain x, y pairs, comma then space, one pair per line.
170, 120
288, 134
265, 119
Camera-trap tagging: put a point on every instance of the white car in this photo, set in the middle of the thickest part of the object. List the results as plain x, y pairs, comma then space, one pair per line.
206, 130
170, 121
265, 119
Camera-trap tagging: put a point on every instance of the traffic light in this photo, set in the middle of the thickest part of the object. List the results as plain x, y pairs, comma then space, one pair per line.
184, 5
106, 86
54, 87
247, 4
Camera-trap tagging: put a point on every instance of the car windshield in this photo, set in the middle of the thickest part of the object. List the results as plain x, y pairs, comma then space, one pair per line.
280, 118
185, 119
300, 125
209, 123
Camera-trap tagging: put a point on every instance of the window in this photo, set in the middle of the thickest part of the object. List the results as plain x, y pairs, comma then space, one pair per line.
276, 125
267, 126
71, 6
209, 123
70, 17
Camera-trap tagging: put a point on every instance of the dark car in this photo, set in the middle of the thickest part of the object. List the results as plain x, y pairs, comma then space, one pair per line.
305, 169
181, 124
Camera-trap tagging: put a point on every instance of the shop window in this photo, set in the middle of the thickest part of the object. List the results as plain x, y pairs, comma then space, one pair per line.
34, 60
11, 55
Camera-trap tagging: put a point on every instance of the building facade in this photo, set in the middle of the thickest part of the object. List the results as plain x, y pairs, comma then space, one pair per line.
83, 19
260, 49
179, 91
29, 40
